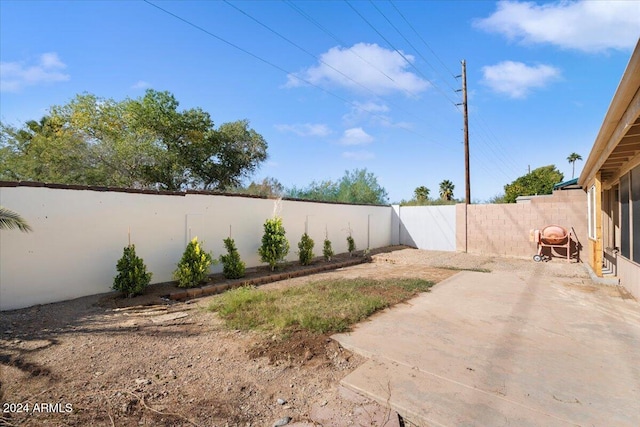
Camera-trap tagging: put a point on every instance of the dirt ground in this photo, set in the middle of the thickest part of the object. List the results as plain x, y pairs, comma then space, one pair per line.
102, 360
90, 361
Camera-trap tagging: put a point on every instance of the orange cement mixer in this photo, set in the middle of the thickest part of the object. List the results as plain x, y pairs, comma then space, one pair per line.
551, 236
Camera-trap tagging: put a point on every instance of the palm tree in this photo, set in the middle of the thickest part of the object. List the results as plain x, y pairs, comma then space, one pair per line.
10, 220
421, 194
573, 158
446, 190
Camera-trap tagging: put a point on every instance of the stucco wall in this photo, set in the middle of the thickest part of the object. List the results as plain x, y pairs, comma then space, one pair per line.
79, 235
629, 275
503, 229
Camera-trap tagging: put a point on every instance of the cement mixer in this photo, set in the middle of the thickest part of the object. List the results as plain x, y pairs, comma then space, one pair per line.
551, 236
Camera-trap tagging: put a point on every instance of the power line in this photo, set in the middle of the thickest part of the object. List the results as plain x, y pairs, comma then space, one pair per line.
320, 60
420, 37
410, 44
400, 53
491, 136
502, 154
265, 61
325, 30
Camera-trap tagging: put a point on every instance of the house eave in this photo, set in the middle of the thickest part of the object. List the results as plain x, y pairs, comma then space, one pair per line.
618, 140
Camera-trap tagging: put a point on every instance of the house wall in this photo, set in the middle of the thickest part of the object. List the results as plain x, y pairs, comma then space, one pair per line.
504, 229
629, 275
78, 235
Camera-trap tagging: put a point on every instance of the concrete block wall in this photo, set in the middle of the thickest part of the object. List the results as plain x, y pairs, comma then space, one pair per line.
503, 229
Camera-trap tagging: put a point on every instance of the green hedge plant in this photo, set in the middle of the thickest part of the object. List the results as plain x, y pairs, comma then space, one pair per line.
327, 250
193, 267
305, 249
351, 245
232, 266
275, 245
132, 276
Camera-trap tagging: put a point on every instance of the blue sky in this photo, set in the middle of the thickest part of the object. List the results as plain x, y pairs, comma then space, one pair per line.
334, 85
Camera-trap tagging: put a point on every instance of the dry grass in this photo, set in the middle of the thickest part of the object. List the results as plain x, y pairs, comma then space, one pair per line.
326, 306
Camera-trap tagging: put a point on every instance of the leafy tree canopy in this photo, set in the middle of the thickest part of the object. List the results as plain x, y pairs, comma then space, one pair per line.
269, 187
140, 143
539, 181
357, 186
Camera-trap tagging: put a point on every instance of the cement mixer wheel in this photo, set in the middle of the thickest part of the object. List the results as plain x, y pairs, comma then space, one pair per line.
537, 258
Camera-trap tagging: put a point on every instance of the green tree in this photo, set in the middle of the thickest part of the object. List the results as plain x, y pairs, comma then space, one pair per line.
325, 191
142, 143
43, 151
132, 276
193, 267
421, 194
360, 186
269, 187
446, 190
573, 158
275, 245
327, 250
232, 265
357, 186
539, 181
305, 249
10, 220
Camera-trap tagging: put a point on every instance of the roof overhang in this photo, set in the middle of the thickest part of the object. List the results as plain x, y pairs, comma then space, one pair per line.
617, 146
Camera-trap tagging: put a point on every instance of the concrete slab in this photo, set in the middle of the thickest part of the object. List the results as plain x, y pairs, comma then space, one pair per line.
526, 348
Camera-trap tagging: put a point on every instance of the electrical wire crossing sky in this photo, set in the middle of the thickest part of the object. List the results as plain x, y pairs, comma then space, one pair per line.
343, 85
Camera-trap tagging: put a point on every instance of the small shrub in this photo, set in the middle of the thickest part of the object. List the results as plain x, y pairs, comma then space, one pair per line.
132, 275
232, 265
305, 247
327, 250
351, 245
275, 245
194, 265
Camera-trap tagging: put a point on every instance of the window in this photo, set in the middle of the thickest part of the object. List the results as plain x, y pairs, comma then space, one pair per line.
635, 213
625, 229
591, 209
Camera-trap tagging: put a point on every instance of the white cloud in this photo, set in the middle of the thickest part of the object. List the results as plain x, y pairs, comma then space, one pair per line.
14, 76
141, 84
355, 136
306, 129
588, 26
516, 79
384, 71
362, 111
358, 155
373, 114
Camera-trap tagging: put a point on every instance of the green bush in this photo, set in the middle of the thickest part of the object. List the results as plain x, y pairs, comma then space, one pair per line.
275, 245
327, 250
132, 275
305, 249
351, 245
232, 265
194, 265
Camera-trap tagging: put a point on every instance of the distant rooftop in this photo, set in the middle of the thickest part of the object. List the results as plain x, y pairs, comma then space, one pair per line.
572, 184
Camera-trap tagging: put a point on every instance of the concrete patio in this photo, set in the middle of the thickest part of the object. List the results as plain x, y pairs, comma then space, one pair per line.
515, 347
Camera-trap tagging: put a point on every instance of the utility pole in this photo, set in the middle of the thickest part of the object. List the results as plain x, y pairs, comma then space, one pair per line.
467, 179
465, 112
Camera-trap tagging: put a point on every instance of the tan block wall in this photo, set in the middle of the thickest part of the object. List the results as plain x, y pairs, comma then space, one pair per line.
503, 229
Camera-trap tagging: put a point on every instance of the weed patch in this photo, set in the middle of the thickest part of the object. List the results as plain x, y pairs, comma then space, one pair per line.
327, 306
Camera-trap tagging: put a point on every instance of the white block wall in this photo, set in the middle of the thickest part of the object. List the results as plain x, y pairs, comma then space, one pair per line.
79, 235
